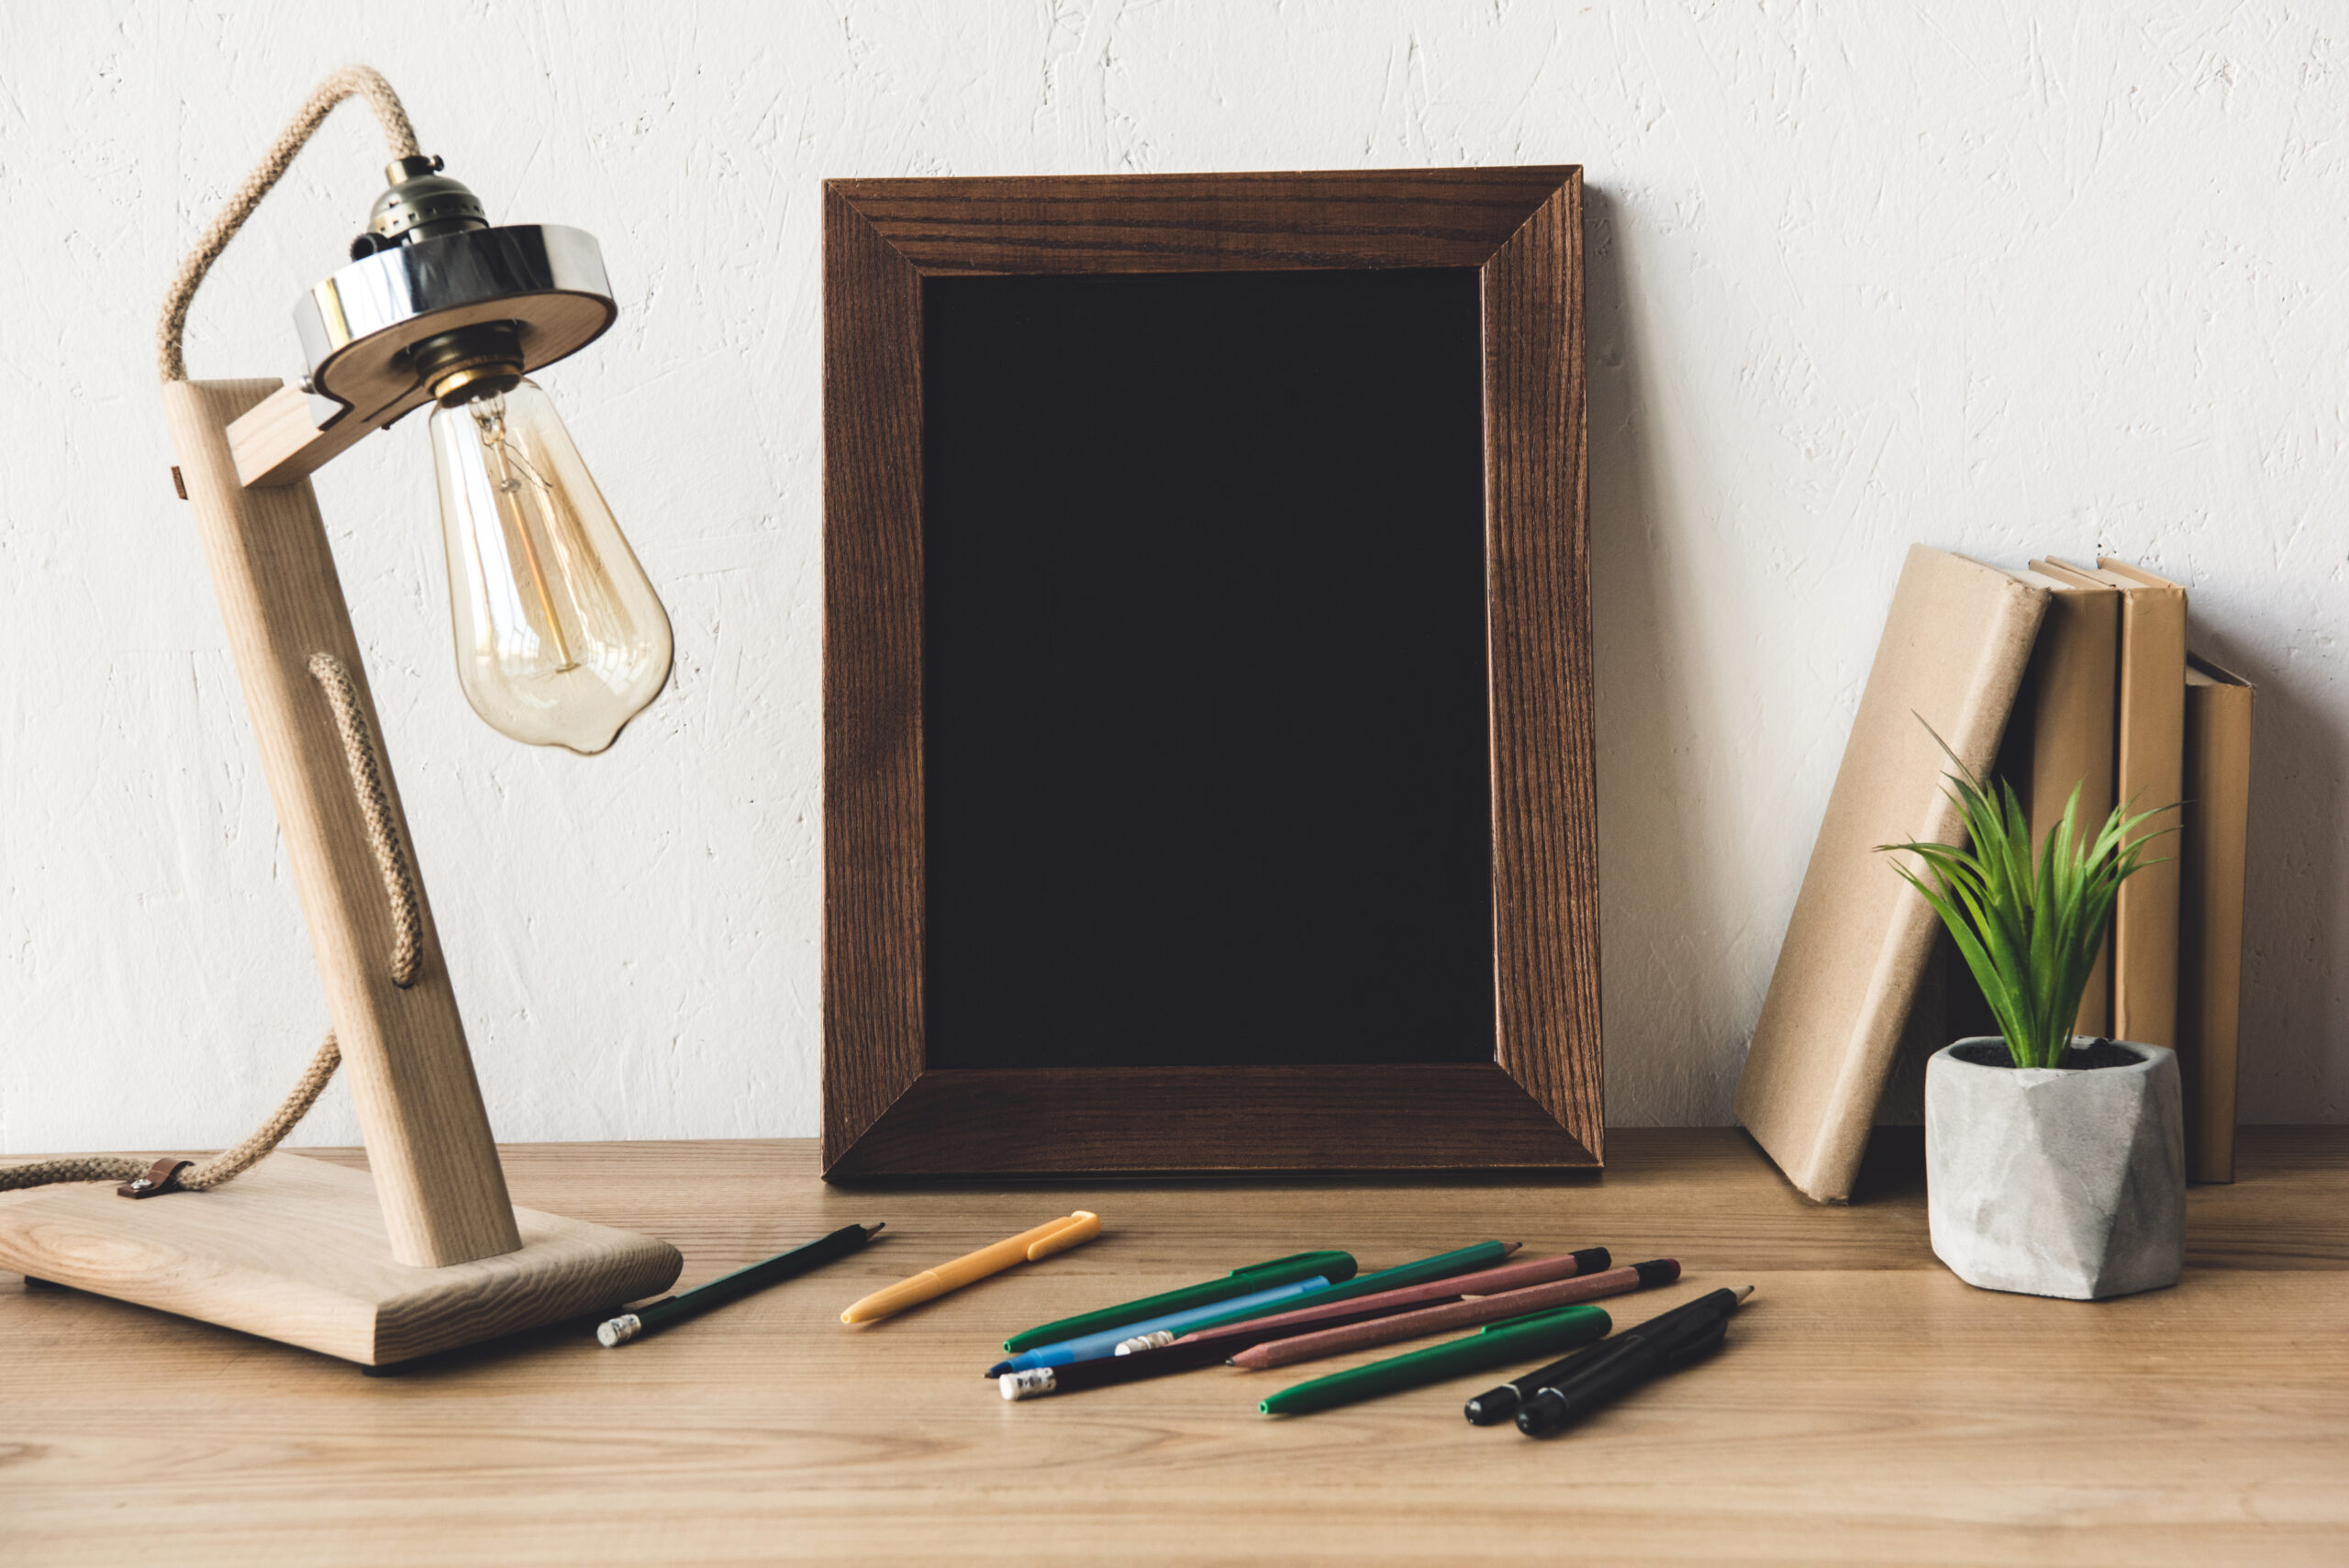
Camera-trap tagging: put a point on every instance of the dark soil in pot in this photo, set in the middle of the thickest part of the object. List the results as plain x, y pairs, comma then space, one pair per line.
2080, 1057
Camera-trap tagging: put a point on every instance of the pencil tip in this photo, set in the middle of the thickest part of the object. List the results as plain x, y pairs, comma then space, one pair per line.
873, 1231
1743, 1291
998, 1369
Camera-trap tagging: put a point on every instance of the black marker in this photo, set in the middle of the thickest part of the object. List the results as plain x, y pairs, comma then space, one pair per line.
656, 1316
1633, 1357
1495, 1406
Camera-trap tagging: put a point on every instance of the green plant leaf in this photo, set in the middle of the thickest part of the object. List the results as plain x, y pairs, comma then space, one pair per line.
2028, 926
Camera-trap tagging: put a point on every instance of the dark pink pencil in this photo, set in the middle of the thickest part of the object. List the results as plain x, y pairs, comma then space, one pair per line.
1457, 1315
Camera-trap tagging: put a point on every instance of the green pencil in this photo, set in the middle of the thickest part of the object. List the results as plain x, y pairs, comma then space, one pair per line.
1335, 1267
1512, 1339
1443, 1265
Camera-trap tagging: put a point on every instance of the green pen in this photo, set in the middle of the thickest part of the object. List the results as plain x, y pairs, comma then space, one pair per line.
1512, 1339
1332, 1266
1443, 1265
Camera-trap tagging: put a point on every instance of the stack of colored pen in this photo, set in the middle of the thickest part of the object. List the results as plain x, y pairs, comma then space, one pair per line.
1300, 1308
1315, 1304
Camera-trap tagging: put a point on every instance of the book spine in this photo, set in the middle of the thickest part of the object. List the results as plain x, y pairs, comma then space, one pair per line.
2062, 739
2211, 862
2151, 766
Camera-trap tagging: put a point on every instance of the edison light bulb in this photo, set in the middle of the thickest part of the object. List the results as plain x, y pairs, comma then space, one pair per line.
561, 640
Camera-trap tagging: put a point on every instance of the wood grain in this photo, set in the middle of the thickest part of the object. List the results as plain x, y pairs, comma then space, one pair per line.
295, 1249
1196, 223
1117, 1120
1545, 802
279, 440
884, 1113
404, 1049
1869, 1408
873, 597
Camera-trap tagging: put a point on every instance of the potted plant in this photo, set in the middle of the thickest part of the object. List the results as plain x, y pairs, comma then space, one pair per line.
2055, 1164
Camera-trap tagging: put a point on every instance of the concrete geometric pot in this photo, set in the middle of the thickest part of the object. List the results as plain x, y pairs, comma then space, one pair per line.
2056, 1180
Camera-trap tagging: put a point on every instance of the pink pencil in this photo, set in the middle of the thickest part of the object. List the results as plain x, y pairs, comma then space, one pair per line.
1457, 1315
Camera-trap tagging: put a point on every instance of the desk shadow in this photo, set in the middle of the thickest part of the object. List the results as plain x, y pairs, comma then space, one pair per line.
1893, 1168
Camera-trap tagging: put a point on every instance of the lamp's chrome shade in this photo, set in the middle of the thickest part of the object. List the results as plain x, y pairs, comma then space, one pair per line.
357, 326
561, 640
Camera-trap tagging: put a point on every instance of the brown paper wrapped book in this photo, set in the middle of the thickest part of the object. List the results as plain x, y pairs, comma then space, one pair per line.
2152, 744
2062, 736
1955, 645
2210, 861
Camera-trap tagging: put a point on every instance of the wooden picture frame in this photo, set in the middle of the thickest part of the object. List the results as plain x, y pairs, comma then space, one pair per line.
1537, 1104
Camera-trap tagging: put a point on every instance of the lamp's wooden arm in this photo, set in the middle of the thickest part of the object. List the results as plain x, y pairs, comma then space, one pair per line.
292, 433
411, 1074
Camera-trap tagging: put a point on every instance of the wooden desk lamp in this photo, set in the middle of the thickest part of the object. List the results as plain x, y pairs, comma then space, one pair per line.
560, 640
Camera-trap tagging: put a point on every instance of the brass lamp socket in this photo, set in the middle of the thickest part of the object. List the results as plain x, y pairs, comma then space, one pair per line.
469, 362
421, 204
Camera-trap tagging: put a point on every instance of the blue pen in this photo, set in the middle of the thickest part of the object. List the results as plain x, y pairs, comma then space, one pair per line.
1089, 1347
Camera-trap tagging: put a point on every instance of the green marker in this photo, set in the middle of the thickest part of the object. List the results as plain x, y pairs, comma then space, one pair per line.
1443, 1265
1332, 1266
1512, 1339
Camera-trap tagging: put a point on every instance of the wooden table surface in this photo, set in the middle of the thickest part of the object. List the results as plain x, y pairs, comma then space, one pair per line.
1869, 1407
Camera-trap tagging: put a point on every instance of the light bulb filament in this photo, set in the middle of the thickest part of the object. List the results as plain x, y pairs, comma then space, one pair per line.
489, 413
560, 638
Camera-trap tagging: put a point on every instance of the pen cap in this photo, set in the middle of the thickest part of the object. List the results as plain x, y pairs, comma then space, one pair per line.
1709, 1312
1641, 1358
1622, 1364
1493, 1406
1335, 1267
1543, 1414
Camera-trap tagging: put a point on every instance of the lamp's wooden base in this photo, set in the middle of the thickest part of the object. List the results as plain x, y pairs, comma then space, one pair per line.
295, 1249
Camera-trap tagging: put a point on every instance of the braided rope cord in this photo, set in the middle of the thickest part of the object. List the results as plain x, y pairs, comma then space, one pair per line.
224, 1166
375, 808
351, 81
342, 692
406, 961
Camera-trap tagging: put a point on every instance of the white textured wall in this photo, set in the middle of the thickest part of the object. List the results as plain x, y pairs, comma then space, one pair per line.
2008, 277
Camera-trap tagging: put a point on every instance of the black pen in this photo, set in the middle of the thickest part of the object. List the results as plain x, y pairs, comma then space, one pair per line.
1495, 1406
1664, 1343
658, 1314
